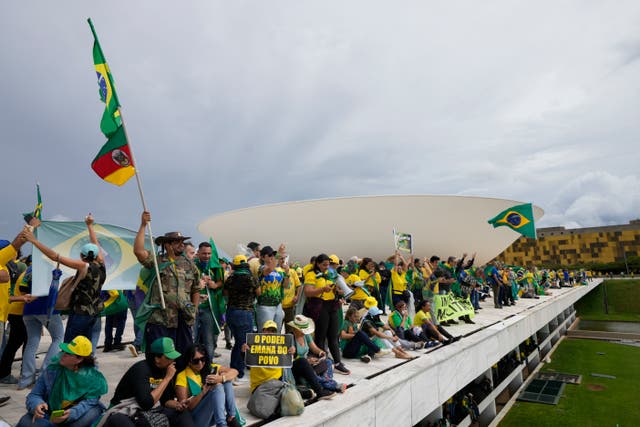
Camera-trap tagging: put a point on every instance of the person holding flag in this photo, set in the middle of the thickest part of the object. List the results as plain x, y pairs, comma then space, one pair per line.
180, 288
91, 274
212, 304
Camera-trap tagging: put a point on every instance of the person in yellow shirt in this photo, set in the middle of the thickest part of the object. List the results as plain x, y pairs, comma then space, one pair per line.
292, 293
399, 280
322, 306
372, 279
422, 319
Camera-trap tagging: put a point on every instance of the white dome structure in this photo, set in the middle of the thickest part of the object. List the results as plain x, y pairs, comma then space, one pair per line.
363, 226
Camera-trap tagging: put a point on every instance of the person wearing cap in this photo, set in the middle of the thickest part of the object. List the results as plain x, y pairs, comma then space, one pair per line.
71, 383
86, 303
374, 327
261, 376
311, 364
147, 385
241, 288
212, 305
272, 283
371, 278
322, 306
180, 287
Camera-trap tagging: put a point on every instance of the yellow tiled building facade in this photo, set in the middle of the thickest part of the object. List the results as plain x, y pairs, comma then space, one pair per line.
561, 246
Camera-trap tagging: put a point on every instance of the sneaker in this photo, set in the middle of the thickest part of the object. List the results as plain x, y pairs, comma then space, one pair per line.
366, 358
8, 380
240, 381
419, 345
307, 394
383, 352
107, 348
341, 369
233, 422
4, 400
326, 394
455, 339
430, 344
133, 350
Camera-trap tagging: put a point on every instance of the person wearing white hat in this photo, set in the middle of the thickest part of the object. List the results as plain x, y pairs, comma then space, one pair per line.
309, 357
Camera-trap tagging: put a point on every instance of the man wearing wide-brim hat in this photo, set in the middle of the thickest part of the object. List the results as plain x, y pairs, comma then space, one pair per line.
180, 285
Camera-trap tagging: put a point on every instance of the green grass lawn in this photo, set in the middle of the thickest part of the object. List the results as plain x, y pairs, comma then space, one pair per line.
617, 404
623, 297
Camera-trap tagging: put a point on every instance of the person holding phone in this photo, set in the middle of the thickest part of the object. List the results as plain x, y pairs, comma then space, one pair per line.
206, 390
68, 391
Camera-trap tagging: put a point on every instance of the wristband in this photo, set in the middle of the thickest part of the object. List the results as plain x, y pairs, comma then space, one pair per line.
224, 380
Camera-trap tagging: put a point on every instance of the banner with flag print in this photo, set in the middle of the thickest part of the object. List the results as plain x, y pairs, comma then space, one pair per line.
66, 238
518, 218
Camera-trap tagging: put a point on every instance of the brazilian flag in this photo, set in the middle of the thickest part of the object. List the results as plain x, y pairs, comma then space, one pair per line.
111, 120
37, 211
518, 218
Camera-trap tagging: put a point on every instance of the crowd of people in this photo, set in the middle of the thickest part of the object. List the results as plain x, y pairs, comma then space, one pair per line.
332, 307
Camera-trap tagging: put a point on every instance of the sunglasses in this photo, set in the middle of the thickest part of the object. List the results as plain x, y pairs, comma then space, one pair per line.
197, 360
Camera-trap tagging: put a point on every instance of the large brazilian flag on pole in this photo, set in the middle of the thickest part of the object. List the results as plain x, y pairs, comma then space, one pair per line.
518, 218
67, 238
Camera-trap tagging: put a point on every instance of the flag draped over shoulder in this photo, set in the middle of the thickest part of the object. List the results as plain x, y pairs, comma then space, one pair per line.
518, 218
114, 162
37, 211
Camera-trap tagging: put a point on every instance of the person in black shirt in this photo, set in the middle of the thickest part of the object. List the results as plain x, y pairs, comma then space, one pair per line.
150, 383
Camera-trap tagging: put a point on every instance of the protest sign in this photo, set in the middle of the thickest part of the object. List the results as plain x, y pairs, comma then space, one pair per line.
403, 242
269, 350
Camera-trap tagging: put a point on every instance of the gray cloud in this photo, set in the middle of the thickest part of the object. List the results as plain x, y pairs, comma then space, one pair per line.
230, 105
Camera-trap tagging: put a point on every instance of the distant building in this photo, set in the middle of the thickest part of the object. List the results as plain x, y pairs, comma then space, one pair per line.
561, 246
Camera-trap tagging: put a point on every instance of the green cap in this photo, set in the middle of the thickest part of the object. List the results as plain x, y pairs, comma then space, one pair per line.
165, 346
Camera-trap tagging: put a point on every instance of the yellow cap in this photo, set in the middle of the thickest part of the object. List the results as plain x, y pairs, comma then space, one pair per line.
270, 324
239, 259
80, 346
333, 259
370, 302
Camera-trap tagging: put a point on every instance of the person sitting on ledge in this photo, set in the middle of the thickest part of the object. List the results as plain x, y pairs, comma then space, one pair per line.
68, 390
422, 319
354, 342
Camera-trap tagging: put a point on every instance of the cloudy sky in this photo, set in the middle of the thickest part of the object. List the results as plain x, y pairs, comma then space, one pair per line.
231, 104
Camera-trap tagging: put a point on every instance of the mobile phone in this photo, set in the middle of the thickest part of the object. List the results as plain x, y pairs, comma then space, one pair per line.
214, 368
57, 413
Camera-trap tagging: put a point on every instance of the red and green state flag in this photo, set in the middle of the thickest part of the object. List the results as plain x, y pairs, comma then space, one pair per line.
114, 163
518, 218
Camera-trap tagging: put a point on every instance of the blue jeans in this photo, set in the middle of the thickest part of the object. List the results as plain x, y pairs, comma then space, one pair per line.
84, 421
204, 331
268, 312
475, 299
215, 407
34, 323
80, 324
241, 323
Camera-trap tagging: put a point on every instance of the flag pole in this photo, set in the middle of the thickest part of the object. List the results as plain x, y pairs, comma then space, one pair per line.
135, 169
144, 207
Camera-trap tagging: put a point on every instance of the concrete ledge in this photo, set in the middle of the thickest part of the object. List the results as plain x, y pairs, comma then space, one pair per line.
408, 393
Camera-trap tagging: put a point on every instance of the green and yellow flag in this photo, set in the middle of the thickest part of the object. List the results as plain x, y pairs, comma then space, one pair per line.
114, 162
111, 120
37, 211
518, 218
